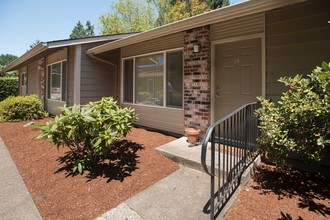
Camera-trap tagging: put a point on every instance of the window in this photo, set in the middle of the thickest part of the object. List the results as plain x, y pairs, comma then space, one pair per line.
24, 79
57, 81
149, 80
128, 79
155, 79
174, 79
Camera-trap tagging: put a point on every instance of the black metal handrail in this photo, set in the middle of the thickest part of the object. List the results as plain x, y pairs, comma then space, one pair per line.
235, 138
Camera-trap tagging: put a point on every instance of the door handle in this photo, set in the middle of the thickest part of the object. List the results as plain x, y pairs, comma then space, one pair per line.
217, 93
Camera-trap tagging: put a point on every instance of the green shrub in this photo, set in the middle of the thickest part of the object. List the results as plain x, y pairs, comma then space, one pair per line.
8, 87
301, 121
89, 132
21, 108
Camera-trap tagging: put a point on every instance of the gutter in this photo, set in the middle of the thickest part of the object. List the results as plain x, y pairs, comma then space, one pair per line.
41, 47
102, 60
215, 16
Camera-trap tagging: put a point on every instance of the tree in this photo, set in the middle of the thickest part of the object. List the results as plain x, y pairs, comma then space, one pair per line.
89, 30
79, 31
186, 8
214, 4
6, 59
174, 10
128, 16
35, 43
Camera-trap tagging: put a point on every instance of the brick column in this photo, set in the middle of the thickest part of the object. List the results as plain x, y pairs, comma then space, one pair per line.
42, 72
197, 79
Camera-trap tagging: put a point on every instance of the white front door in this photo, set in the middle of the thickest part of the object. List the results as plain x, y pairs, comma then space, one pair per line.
237, 75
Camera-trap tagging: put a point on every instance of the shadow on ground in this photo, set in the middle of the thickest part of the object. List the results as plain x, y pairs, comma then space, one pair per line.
120, 163
307, 187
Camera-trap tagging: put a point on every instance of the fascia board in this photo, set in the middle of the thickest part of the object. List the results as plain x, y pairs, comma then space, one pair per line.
29, 54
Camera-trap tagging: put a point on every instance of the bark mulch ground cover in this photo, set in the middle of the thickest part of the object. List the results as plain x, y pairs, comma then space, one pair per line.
284, 195
59, 195
272, 194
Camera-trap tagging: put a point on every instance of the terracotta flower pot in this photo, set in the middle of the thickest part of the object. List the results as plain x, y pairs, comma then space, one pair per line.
192, 135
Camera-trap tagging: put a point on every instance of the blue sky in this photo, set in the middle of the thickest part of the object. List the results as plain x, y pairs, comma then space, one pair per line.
22, 22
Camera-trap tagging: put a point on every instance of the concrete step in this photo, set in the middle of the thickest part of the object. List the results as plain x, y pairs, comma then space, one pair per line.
183, 153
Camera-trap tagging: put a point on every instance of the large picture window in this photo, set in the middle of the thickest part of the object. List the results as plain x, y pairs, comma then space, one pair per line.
57, 81
155, 79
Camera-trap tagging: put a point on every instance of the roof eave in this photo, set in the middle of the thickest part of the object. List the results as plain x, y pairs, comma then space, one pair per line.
65, 43
222, 14
29, 54
41, 47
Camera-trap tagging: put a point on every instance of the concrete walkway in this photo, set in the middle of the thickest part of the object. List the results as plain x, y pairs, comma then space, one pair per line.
15, 200
181, 195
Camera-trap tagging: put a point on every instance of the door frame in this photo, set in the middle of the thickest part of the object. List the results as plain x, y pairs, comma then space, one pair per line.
260, 36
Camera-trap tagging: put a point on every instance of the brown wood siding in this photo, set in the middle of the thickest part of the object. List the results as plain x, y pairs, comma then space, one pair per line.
32, 81
162, 43
70, 76
297, 40
165, 119
250, 24
57, 56
98, 79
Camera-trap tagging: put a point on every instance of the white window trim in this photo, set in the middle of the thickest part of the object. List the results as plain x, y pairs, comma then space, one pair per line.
22, 78
164, 52
50, 80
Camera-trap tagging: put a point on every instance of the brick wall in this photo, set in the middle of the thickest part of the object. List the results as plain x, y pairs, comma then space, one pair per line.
197, 79
42, 72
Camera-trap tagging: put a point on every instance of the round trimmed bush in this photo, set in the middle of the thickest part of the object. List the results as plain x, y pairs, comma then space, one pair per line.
21, 108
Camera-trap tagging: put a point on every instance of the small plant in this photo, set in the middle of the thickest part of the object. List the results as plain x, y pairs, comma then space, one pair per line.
89, 131
301, 121
21, 108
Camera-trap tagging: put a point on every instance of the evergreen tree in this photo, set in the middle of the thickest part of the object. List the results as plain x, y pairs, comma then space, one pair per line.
214, 4
89, 30
35, 43
79, 31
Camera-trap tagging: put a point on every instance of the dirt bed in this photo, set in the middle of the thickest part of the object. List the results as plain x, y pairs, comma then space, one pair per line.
282, 195
59, 195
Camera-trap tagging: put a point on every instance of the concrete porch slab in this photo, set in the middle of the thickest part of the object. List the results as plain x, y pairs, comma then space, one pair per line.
181, 152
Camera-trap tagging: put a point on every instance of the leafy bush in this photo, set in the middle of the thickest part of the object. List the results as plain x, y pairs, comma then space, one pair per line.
89, 132
21, 108
8, 87
301, 121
